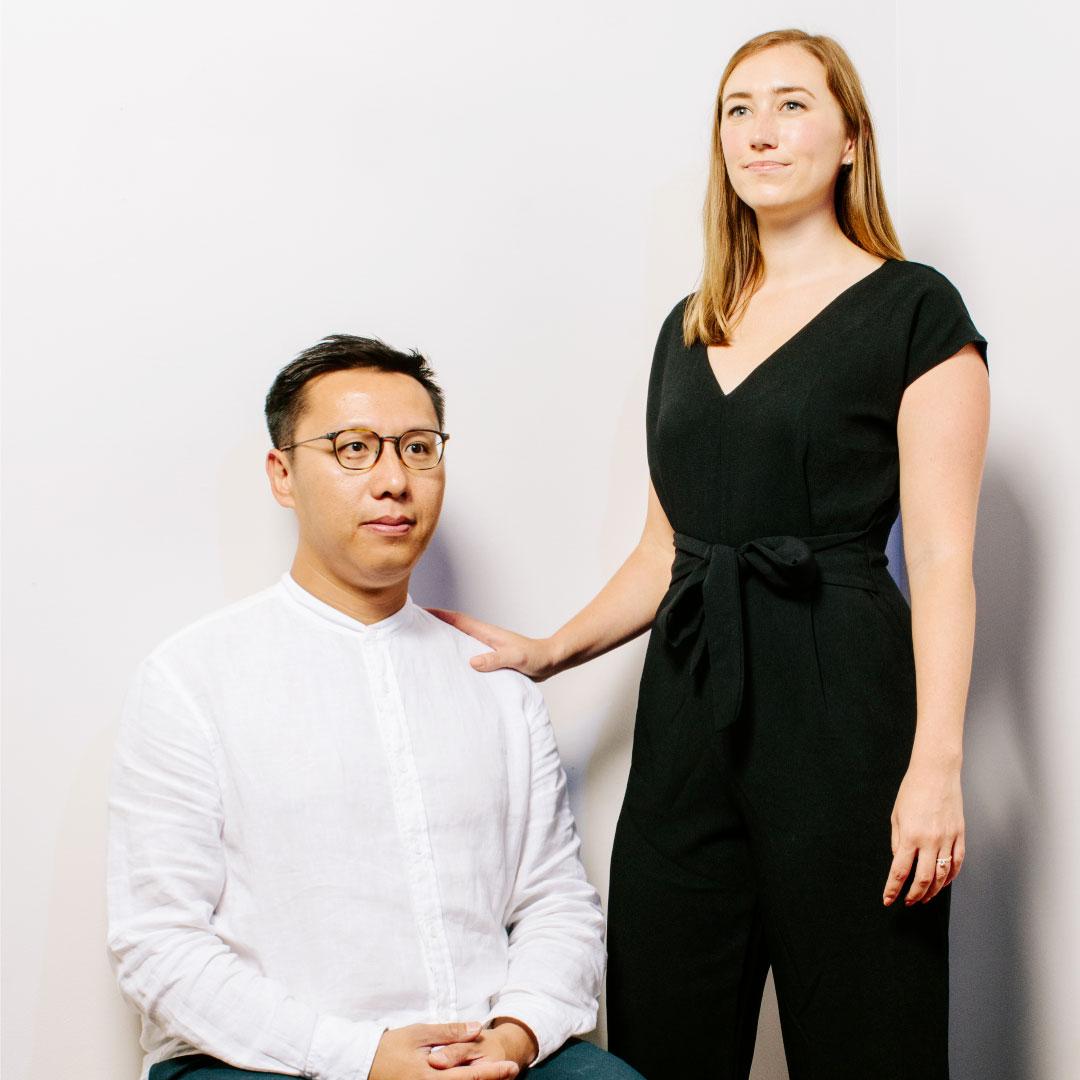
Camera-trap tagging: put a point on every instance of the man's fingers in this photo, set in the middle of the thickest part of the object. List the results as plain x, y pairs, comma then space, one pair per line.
459, 1053
898, 873
924, 875
484, 1070
442, 1034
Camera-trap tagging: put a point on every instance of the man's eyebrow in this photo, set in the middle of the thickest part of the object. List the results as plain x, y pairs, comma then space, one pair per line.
775, 90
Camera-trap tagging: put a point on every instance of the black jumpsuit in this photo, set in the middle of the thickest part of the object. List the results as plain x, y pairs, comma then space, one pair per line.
777, 711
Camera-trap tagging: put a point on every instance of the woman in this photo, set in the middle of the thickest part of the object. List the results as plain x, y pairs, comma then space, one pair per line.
794, 796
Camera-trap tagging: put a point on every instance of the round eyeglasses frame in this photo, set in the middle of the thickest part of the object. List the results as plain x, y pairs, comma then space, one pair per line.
332, 436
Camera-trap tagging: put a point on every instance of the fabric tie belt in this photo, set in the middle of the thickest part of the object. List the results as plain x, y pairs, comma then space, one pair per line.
703, 606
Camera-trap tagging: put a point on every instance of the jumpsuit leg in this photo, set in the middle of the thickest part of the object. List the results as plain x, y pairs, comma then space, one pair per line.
687, 960
862, 989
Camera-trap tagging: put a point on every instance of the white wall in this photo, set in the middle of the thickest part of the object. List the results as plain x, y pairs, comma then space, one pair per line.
195, 193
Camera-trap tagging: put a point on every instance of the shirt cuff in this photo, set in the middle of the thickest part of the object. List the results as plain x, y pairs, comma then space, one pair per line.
551, 1025
342, 1049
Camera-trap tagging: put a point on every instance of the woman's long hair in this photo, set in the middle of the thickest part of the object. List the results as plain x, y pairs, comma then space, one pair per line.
733, 264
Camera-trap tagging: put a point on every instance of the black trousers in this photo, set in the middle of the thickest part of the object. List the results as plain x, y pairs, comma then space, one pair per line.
777, 857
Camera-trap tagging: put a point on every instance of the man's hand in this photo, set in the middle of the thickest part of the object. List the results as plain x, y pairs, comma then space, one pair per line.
506, 1040
405, 1054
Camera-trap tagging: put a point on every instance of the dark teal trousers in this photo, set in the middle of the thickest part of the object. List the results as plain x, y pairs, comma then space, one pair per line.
575, 1061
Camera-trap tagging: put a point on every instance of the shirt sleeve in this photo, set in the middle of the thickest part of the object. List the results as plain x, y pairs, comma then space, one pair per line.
940, 328
555, 924
166, 875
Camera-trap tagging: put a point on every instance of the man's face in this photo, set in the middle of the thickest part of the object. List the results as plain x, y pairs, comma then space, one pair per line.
363, 530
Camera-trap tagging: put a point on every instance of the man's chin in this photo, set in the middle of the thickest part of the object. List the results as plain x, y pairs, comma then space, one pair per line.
387, 562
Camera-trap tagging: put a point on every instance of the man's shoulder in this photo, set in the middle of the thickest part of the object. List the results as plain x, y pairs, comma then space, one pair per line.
220, 629
506, 683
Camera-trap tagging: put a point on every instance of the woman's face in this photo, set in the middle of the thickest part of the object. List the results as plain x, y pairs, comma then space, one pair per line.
782, 132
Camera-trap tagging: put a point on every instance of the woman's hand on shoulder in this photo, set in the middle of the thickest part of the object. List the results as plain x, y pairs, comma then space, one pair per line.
534, 657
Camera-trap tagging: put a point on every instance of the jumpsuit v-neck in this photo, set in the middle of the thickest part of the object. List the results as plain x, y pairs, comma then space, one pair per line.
776, 711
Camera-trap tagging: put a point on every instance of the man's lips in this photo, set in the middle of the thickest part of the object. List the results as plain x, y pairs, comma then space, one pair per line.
390, 526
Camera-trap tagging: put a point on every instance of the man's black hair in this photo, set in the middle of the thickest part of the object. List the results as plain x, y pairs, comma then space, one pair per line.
340, 352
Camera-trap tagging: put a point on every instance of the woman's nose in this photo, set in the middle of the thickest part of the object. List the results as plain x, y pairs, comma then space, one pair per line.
764, 136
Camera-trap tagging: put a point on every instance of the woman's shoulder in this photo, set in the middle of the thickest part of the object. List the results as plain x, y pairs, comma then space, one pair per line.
918, 279
673, 322
936, 321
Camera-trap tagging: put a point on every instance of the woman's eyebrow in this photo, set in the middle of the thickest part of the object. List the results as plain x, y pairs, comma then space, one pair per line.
775, 90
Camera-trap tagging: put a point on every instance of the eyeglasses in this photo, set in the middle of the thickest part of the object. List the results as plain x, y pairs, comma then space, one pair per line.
357, 449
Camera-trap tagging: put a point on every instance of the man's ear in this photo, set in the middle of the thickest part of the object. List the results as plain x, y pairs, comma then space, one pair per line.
280, 476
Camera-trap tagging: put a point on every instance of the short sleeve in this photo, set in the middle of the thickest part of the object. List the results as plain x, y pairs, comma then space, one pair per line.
670, 330
940, 328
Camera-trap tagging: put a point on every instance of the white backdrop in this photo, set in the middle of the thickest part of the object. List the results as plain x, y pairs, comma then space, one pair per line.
194, 193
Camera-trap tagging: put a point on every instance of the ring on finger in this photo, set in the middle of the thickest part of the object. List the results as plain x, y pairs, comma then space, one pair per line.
943, 864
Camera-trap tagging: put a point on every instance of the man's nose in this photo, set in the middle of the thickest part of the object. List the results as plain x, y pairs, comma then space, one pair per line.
389, 474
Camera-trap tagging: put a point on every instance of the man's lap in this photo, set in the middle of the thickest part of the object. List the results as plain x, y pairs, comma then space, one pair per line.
575, 1061
582, 1061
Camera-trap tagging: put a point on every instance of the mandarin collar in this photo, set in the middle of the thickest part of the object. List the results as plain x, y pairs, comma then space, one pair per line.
390, 625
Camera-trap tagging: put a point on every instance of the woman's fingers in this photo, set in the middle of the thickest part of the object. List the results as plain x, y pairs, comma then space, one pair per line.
903, 857
475, 628
932, 871
957, 859
509, 650
500, 658
924, 876
942, 864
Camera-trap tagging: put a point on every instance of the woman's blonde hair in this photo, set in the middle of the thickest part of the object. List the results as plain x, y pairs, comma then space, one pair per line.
733, 264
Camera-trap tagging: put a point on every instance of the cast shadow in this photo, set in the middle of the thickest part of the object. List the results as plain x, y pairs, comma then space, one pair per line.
434, 582
990, 984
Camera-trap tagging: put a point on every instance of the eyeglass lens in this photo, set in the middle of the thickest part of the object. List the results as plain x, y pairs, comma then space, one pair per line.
417, 449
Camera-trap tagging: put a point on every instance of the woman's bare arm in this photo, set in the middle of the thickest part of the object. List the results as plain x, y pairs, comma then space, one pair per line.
622, 609
942, 431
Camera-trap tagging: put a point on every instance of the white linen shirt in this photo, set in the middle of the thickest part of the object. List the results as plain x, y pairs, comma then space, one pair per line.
321, 829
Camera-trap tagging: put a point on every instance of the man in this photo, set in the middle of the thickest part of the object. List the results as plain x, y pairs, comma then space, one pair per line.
336, 851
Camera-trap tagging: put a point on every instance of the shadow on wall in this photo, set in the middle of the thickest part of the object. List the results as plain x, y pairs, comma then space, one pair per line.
433, 582
990, 985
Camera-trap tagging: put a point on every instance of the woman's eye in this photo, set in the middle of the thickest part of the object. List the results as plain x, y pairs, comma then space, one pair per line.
798, 105
737, 110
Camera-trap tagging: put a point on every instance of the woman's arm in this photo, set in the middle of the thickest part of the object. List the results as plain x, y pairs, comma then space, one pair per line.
942, 431
620, 611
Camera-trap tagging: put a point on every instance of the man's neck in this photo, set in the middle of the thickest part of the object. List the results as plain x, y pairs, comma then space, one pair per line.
366, 605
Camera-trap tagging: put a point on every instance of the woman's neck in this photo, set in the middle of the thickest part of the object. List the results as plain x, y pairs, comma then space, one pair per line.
795, 250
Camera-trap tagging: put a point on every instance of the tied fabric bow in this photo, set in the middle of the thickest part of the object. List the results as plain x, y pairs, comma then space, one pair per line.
704, 603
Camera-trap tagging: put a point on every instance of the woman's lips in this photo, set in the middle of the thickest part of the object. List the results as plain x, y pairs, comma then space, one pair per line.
766, 166
390, 526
